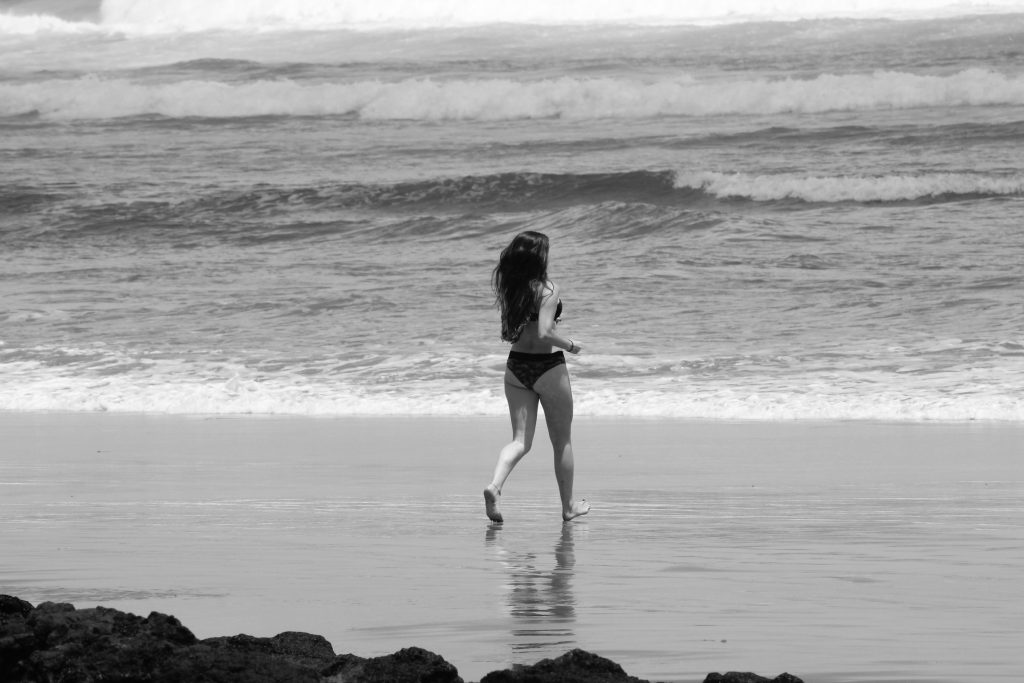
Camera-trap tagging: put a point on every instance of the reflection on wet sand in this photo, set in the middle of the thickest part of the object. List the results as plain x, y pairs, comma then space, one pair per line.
539, 594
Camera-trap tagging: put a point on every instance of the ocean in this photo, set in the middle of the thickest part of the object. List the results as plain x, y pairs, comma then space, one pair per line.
294, 209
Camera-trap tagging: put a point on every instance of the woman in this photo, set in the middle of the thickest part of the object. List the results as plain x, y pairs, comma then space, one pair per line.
535, 372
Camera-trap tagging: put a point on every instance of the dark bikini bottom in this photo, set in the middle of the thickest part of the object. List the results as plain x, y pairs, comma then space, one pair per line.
528, 367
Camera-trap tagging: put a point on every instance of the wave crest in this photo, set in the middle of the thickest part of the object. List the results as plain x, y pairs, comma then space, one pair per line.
828, 189
633, 202
503, 99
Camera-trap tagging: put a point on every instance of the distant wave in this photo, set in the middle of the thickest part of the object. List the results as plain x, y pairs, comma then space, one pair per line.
648, 192
517, 190
193, 15
501, 99
511, 189
504, 192
887, 188
637, 200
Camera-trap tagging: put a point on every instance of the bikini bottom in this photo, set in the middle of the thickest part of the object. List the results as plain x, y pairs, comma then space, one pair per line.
528, 367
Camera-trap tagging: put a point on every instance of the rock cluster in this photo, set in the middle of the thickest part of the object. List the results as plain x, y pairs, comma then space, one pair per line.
57, 643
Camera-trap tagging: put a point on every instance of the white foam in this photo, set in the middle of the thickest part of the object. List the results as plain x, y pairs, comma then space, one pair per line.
175, 388
506, 99
848, 188
722, 403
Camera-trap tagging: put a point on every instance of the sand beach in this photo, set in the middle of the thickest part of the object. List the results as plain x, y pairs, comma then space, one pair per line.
839, 551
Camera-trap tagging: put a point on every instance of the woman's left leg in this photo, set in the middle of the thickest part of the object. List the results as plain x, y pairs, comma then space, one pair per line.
556, 398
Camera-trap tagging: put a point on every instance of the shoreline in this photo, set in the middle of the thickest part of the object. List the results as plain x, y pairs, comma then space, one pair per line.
834, 550
587, 417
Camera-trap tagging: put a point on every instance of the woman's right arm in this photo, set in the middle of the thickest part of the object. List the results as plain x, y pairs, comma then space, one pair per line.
546, 326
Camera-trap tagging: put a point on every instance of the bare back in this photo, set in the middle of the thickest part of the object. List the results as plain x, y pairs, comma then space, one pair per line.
536, 335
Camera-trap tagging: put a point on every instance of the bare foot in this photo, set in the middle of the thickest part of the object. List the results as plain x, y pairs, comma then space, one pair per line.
491, 496
577, 509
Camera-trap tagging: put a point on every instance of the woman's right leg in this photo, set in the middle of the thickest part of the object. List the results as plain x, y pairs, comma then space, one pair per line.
522, 408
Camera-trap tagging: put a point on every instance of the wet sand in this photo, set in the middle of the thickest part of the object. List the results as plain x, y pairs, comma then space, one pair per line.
835, 551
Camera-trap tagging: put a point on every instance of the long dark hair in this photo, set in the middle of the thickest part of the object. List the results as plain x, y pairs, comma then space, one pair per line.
518, 280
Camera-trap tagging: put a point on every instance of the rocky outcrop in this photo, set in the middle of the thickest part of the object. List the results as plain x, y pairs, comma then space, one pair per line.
56, 643
411, 664
575, 666
737, 677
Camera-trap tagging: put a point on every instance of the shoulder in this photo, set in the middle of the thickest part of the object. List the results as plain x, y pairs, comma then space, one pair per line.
549, 290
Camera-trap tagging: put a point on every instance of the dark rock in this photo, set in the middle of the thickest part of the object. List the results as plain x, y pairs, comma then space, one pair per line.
747, 677
304, 649
410, 665
17, 641
211, 663
575, 666
12, 605
56, 643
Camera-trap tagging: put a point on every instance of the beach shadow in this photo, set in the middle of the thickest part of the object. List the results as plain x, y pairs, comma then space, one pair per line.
540, 597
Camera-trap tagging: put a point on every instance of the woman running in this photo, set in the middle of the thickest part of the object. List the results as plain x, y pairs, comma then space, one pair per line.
535, 372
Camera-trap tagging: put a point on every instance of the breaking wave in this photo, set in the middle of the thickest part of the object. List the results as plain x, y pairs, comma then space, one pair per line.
637, 203
887, 188
530, 190
90, 381
501, 99
266, 212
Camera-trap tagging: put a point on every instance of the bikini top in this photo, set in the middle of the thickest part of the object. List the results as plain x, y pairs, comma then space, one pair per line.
558, 313
514, 336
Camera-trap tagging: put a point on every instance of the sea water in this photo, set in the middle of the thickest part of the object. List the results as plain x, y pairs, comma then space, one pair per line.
295, 208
